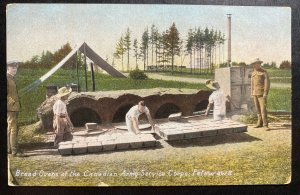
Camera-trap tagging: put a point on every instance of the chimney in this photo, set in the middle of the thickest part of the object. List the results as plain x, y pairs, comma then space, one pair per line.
229, 39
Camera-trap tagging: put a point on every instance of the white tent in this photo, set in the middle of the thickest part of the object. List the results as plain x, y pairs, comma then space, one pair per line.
85, 49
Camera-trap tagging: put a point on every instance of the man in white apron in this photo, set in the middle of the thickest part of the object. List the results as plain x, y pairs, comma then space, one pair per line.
217, 99
61, 121
132, 117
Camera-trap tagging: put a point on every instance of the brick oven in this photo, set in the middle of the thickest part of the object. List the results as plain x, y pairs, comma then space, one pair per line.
111, 106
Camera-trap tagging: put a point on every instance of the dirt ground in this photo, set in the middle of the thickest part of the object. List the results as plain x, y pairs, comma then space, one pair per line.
254, 157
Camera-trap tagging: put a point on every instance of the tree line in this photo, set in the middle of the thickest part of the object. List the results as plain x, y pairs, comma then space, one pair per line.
48, 59
202, 45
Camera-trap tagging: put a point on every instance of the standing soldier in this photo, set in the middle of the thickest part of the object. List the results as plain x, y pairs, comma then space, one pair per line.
13, 108
260, 86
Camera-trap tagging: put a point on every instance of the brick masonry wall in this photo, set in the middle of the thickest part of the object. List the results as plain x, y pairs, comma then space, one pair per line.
104, 109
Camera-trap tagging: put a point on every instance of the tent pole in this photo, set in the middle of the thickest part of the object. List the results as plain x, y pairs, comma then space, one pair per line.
77, 71
93, 76
85, 65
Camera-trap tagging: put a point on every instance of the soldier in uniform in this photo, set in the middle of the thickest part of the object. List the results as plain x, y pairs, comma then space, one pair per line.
13, 108
260, 86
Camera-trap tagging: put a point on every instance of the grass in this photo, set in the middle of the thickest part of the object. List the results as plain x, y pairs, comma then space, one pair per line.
279, 99
281, 80
252, 118
186, 74
285, 74
280, 75
279, 72
204, 73
29, 134
32, 100
124, 84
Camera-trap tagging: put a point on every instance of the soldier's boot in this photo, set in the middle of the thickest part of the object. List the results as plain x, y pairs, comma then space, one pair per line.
259, 122
265, 122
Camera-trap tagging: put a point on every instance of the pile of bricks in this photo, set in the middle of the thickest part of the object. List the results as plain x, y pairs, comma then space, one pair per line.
168, 130
198, 128
102, 143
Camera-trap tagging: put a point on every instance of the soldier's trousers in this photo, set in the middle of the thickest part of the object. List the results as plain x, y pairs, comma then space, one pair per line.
261, 107
12, 131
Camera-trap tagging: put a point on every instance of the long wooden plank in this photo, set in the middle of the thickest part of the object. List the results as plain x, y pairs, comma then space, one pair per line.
100, 62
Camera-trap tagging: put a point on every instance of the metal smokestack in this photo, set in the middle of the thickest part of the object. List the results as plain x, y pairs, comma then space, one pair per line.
229, 40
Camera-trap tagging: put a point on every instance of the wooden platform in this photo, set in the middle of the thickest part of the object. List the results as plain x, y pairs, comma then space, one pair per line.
194, 128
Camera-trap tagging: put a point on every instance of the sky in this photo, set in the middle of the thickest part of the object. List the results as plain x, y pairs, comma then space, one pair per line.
257, 32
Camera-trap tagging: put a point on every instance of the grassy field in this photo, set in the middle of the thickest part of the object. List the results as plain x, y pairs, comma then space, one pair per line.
279, 72
186, 72
280, 76
281, 80
276, 75
31, 101
279, 99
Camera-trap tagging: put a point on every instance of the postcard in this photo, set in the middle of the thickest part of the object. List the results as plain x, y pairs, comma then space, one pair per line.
148, 95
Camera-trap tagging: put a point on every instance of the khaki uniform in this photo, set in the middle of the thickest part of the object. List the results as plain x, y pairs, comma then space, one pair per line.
260, 86
13, 107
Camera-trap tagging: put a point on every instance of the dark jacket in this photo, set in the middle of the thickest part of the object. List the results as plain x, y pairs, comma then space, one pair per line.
13, 103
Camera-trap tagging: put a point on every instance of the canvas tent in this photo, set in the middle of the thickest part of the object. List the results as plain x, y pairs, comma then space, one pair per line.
86, 50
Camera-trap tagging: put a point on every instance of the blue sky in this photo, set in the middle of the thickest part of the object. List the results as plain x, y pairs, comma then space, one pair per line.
257, 32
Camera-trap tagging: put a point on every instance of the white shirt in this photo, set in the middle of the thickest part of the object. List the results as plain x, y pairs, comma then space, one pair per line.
134, 112
218, 98
59, 107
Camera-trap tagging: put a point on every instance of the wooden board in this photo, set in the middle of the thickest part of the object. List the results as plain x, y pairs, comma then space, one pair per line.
88, 133
141, 126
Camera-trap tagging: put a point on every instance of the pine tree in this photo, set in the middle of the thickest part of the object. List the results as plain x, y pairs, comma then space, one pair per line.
189, 45
144, 47
173, 40
120, 50
153, 40
136, 54
127, 44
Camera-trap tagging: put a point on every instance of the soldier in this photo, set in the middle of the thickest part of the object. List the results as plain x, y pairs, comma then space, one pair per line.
260, 86
13, 108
